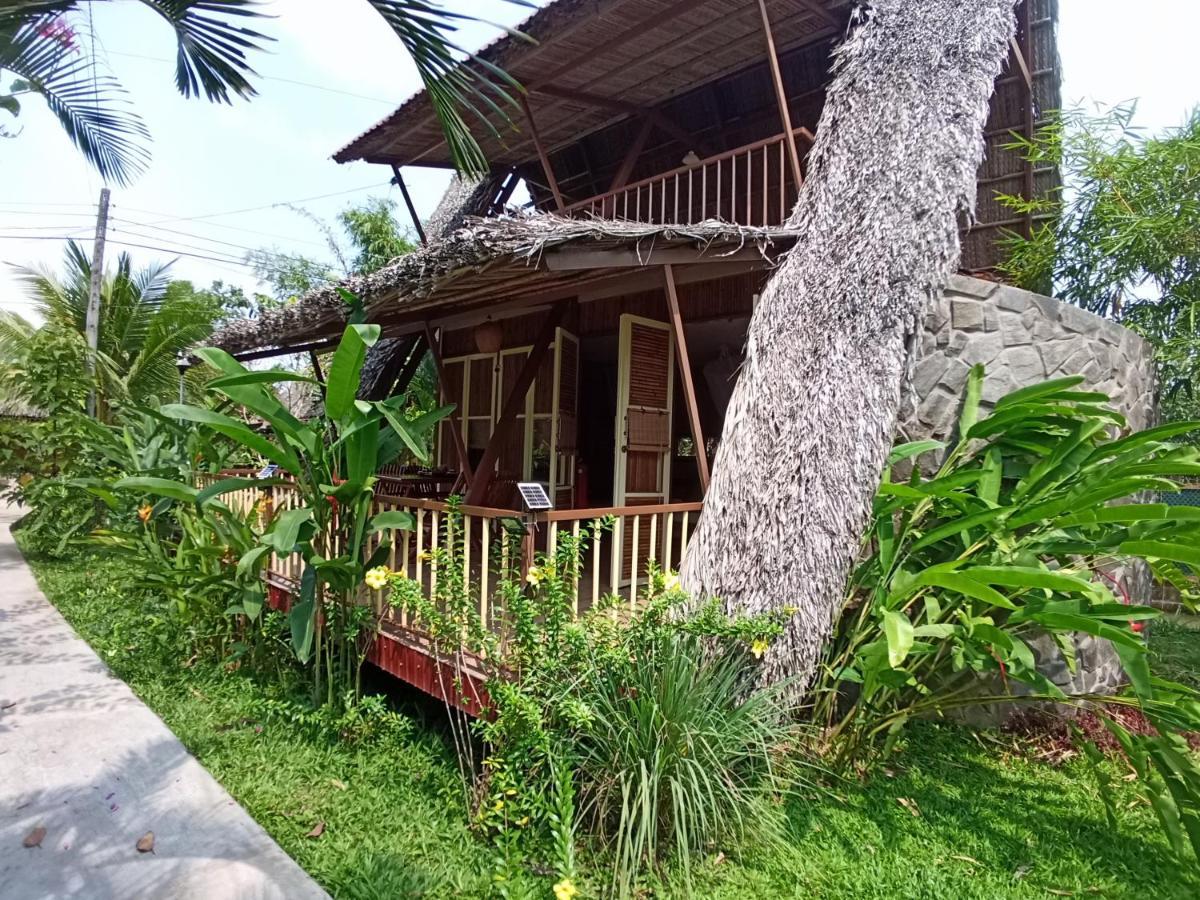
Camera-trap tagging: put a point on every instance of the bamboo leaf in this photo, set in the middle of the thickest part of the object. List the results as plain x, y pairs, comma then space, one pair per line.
302, 615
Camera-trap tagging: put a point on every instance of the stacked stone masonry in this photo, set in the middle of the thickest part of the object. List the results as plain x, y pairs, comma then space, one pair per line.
1023, 338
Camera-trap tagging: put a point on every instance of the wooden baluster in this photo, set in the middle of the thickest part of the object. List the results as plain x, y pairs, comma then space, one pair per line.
596, 538
676, 217
749, 188
578, 566
615, 565
683, 536
733, 189
483, 574
654, 537
670, 528
466, 539
552, 541
435, 540
637, 207
633, 564
703, 193
782, 184
766, 167
421, 548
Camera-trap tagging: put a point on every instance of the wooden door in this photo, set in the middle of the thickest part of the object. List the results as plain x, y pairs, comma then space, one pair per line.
645, 387
564, 428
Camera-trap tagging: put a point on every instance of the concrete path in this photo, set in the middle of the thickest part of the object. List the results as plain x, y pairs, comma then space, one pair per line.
83, 758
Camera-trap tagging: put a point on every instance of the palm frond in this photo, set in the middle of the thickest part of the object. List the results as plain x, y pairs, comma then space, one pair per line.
212, 49
88, 106
453, 87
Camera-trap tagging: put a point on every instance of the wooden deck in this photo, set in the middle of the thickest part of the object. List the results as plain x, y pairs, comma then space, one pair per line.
622, 543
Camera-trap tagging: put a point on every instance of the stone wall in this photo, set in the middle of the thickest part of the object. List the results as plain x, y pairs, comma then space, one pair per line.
1022, 338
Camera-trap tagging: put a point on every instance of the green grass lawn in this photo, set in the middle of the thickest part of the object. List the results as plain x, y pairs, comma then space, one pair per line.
979, 819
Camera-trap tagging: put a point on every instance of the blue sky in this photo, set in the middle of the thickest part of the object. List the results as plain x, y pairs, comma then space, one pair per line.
222, 174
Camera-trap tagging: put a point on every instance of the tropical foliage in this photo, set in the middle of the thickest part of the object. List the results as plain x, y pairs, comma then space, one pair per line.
143, 328
330, 463
1120, 240
39, 45
982, 571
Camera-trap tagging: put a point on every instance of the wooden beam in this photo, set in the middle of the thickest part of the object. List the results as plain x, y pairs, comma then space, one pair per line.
781, 96
513, 406
420, 346
460, 446
685, 371
1022, 64
412, 210
541, 152
290, 350
574, 260
635, 150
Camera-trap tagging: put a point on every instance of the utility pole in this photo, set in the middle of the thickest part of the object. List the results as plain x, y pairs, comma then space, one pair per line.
93, 307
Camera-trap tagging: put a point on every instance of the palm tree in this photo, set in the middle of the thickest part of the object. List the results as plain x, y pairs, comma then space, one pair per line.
40, 47
143, 328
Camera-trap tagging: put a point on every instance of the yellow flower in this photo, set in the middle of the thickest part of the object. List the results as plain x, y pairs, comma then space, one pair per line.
425, 555
377, 578
759, 647
534, 577
145, 511
671, 581
565, 890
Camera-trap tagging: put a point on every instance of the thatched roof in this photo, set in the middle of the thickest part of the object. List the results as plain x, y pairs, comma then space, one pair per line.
490, 259
595, 61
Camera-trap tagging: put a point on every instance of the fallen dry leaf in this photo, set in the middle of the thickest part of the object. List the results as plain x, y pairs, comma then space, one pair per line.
145, 843
910, 805
318, 830
720, 858
34, 838
1059, 893
1020, 872
967, 859
339, 784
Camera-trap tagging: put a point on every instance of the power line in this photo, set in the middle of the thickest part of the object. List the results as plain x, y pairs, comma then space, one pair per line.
307, 84
236, 212
63, 237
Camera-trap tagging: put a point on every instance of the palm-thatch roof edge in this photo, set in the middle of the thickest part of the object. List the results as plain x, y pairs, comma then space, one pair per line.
516, 242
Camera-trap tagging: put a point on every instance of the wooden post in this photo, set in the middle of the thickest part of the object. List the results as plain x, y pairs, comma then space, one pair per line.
513, 405
781, 96
542, 155
685, 370
1024, 60
460, 446
412, 210
92, 321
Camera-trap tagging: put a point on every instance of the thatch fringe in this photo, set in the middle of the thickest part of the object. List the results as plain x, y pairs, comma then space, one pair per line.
519, 239
812, 417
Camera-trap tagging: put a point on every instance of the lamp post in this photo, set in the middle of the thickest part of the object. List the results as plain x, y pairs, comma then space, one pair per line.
182, 363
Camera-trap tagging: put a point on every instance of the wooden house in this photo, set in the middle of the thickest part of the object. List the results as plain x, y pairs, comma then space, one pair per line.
594, 349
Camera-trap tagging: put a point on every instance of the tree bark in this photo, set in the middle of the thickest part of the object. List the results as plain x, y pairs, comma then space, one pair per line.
829, 346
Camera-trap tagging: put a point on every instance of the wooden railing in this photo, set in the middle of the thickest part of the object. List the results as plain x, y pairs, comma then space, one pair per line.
491, 545
753, 185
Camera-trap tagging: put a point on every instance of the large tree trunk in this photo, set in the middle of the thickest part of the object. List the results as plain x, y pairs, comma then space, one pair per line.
812, 416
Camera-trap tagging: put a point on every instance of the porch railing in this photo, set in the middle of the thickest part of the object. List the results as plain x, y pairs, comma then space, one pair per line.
752, 185
494, 544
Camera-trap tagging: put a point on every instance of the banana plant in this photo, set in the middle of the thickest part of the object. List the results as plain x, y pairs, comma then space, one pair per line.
331, 463
1009, 541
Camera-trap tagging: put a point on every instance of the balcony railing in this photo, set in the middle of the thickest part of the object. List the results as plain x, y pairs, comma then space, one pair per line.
752, 185
497, 544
